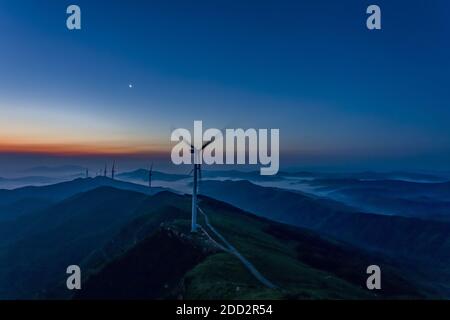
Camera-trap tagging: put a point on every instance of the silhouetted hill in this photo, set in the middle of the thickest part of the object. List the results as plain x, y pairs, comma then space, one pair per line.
151, 270
57, 192
440, 190
128, 243
20, 182
142, 175
114, 233
35, 248
236, 174
410, 199
55, 169
408, 237
365, 175
287, 256
23, 206
371, 175
28, 179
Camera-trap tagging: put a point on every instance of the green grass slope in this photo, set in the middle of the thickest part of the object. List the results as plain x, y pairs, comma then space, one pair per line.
155, 256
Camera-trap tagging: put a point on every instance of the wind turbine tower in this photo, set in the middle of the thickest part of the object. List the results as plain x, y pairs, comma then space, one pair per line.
113, 170
197, 173
150, 173
104, 171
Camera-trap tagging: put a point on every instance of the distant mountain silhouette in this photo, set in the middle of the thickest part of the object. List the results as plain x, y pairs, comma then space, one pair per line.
410, 199
29, 179
236, 174
131, 245
55, 169
57, 192
408, 237
142, 175
365, 175
114, 228
440, 190
20, 182
46, 242
370, 175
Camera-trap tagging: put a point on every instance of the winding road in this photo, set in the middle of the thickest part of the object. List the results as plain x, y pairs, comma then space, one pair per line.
232, 250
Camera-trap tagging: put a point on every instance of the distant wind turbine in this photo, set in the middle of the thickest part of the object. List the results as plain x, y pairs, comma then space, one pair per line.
150, 173
113, 170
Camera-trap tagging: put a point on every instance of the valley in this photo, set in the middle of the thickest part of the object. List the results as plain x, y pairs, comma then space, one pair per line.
128, 240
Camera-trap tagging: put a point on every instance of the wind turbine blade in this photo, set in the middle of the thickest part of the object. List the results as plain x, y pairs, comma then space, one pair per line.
189, 145
212, 140
208, 143
172, 129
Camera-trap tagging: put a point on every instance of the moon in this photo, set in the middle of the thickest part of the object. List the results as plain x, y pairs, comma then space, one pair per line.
130, 86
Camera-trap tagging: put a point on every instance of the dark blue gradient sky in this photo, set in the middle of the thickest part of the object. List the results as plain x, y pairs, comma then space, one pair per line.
341, 95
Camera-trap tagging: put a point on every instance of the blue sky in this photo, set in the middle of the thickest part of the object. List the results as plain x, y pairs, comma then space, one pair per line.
340, 94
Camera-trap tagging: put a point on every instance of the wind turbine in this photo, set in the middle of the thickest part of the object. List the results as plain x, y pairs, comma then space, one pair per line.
150, 173
113, 170
104, 171
197, 173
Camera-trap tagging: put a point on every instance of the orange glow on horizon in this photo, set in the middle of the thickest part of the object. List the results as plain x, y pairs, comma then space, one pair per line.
80, 149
